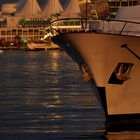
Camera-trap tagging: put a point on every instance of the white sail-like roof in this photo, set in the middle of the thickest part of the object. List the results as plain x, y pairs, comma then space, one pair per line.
129, 13
72, 10
30, 8
52, 7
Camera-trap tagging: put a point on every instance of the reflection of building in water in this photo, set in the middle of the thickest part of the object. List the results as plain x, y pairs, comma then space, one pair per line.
54, 61
115, 4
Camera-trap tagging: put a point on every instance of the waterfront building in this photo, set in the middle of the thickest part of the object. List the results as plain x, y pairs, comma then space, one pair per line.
94, 9
103, 8
114, 5
28, 19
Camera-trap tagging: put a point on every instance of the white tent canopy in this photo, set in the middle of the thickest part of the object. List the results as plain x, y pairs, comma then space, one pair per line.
72, 10
30, 8
52, 7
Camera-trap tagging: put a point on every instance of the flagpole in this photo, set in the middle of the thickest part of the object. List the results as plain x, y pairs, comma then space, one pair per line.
86, 16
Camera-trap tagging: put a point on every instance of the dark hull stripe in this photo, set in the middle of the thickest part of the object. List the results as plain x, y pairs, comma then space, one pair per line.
129, 122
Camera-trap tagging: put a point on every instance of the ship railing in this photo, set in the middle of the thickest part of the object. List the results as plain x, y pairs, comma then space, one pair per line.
121, 27
61, 26
67, 25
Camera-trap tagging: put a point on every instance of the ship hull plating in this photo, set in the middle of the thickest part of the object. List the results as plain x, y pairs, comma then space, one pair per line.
113, 63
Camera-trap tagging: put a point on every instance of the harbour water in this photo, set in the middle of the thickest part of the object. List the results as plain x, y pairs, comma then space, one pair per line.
43, 96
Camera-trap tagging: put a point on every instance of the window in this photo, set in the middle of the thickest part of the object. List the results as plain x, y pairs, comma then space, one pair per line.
121, 73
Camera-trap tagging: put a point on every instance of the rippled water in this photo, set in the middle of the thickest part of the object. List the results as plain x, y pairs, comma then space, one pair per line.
43, 96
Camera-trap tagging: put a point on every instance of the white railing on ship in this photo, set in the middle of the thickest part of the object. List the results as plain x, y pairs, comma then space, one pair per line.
121, 27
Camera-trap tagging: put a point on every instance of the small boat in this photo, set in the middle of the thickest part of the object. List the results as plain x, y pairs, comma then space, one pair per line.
108, 54
31, 46
36, 47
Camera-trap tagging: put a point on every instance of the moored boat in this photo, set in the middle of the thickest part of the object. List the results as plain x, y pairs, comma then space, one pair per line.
109, 57
31, 46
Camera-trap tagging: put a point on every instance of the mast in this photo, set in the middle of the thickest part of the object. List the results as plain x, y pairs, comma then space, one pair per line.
86, 16
32, 8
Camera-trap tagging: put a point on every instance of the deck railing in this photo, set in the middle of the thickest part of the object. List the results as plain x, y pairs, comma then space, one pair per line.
121, 27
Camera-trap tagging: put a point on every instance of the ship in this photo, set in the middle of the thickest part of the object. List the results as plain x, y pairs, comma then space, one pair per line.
108, 55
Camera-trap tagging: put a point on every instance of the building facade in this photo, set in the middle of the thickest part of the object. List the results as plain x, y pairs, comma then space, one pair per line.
31, 21
115, 4
94, 9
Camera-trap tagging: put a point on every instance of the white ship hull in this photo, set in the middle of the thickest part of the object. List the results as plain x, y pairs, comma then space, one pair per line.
107, 55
